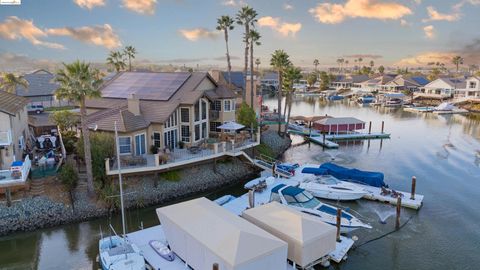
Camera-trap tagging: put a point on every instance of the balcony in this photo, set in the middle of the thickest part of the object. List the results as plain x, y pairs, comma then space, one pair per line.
16, 175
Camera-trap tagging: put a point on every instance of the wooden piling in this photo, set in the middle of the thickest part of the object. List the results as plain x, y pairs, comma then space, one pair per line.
339, 222
215, 266
399, 207
324, 139
8, 195
414, 183
370, 127
383, 126
251, 198
273, 169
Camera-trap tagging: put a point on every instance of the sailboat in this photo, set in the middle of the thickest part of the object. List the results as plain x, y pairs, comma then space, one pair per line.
116, 252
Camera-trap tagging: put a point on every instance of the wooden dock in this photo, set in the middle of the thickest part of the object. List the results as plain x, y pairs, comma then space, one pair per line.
375, 194
357, 136
322, 142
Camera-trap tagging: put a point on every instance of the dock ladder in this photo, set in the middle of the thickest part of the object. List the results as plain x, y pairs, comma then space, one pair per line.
265, 162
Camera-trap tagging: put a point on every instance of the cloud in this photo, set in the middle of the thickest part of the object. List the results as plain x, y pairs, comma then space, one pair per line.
10, 62
287, 6
198, 33
234, 3
224, 58
418, 2
89, 4
434, 15
14, 28
371, 9
98, 35
284, 28
146, 7
371, 56
429, 31
404, 22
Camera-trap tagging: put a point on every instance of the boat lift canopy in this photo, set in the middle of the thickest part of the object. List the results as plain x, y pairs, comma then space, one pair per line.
338, 124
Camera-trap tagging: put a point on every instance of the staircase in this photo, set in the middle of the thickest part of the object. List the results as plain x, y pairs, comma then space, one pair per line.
37, 187
267, 163
82, 181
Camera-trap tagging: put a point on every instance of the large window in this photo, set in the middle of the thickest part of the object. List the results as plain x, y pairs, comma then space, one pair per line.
204, 110
197, 111
125, 144
156, 139
140, 148
214, 126
172, 120
170, 138
185, 115
185, 133
204, 130
473, 85
216, 105
197, 132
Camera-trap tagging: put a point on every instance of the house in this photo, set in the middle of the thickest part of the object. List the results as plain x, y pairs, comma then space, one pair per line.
403, 83
161, 109
41, 89
443, 87
471, 90
270, 79
13, 128
375, 84
347, 81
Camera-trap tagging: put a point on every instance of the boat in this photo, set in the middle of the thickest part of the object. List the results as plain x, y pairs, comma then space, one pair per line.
116, 252
303, 201
329, 187
366, 100
448, 108
162, 250
394, 102
335, 97
224, 199
375, 179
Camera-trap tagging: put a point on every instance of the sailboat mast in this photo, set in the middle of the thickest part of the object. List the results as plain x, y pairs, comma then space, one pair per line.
120, 178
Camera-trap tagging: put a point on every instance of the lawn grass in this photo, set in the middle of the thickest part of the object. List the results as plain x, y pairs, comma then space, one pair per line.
173, 176
54, 109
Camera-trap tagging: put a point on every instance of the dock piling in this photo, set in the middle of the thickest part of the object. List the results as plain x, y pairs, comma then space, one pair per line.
399, 207
215, 266
339, 220
414, 183
251, 198
370, 127
324, 138
383, 126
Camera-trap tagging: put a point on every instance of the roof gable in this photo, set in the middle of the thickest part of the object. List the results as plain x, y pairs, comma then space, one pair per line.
11, 104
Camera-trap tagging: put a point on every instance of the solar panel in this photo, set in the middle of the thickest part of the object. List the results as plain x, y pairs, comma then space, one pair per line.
145, 85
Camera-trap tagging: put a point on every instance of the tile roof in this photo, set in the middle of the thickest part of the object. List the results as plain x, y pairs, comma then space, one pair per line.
219, 93
237, 78
40, 84
126, 121
10, 103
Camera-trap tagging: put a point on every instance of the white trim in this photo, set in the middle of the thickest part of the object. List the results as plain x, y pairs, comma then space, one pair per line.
135, 142
131, 144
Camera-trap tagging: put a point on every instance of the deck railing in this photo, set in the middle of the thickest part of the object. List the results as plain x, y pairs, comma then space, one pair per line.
9, 177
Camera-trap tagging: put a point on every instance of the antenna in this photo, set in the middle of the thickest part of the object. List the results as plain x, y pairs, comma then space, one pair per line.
120, 179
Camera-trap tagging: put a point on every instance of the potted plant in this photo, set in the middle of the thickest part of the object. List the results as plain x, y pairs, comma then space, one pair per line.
153, 149
181, 144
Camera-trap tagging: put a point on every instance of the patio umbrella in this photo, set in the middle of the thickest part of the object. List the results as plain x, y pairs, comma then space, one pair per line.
232, 125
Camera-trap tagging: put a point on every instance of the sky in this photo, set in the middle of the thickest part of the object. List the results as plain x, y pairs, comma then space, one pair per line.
391, 32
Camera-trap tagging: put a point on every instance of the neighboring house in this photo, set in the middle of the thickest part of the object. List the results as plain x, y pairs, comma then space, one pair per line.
377, 83
472, 89
443, 87
160, 109
13, 128
402, 83
347, 81
270, 79
41, 89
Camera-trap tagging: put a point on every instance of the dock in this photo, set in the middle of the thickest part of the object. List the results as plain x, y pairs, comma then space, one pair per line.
374, 194
322, 142
357, 136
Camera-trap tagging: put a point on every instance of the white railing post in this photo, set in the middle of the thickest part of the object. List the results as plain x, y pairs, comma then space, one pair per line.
107, 165
258, 135
215, 148
157, 160
224, 146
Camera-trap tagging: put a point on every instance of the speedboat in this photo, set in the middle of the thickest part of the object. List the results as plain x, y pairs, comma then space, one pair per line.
116, 253
162, 250
366, 100
303, 201
394, 102
329, 187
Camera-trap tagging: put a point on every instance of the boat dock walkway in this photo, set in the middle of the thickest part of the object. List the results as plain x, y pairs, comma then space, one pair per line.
357, 136
375, 194
322, 142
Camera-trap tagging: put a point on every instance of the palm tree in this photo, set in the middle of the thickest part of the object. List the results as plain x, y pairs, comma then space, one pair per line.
246, 16
257, 63
340, 62
291, 75
130, 52
78, 81
280, 61
225, 23
372, 64
457, 61
346, 64
254, 37
10, 82
115, 59
316, 63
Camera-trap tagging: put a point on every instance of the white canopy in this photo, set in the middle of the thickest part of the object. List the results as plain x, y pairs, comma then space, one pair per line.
445, 106
202, 233
308, 238
339, 121
232, 125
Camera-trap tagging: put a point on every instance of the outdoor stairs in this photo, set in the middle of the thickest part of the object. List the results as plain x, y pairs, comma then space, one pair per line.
37, 187
267, 163
82, 181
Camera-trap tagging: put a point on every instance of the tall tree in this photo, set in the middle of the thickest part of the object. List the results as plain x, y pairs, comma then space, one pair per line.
291, 76
257, 63
254, 37
130, 52
457, 61
316, 63
246, 16
346, 64
372, 64
115, 59
9, 83
381, 69
280, 61
78, 81
225, 24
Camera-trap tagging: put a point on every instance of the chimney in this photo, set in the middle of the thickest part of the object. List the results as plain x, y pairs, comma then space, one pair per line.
133, 104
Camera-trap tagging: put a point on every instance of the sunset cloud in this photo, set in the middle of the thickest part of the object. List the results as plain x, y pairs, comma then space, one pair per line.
287, 6
283, 28
198, 33
424, 58
330, 13
100, 35
89, 4
364, 56
146, 7
429, 31
14, 28
434, 15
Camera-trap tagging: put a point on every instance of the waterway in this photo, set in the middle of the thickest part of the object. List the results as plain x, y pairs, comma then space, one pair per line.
443, 152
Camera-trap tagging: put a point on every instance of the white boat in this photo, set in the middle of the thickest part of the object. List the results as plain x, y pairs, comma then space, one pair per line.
448, 108
117, 254
329, 187
162, 250
303, 201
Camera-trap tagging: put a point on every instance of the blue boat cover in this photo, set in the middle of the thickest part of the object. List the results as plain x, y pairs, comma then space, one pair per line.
292, 191
315, 171
353, 175
333, 211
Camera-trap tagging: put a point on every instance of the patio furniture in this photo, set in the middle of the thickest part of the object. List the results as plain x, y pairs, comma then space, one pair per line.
194, 149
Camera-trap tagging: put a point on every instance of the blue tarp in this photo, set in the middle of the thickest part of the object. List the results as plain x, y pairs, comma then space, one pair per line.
353, 175
315, 171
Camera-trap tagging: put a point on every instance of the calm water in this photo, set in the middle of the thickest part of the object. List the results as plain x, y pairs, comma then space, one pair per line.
443, 152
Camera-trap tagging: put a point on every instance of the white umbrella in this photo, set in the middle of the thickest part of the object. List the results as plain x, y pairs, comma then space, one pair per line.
231, 126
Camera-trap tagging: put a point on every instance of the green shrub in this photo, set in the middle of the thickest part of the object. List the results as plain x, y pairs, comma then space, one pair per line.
265, 150
68, 176
173, 176
102, 147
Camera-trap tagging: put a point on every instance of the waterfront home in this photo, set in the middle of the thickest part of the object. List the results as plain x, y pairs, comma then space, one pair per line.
270, 79
375, 84
41, 89
163, 110
443, 87
405, 83
14, 134
471, 90
347, 81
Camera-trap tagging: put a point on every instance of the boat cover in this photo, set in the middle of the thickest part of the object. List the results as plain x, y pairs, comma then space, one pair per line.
445, 106
374, 179
315, 171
